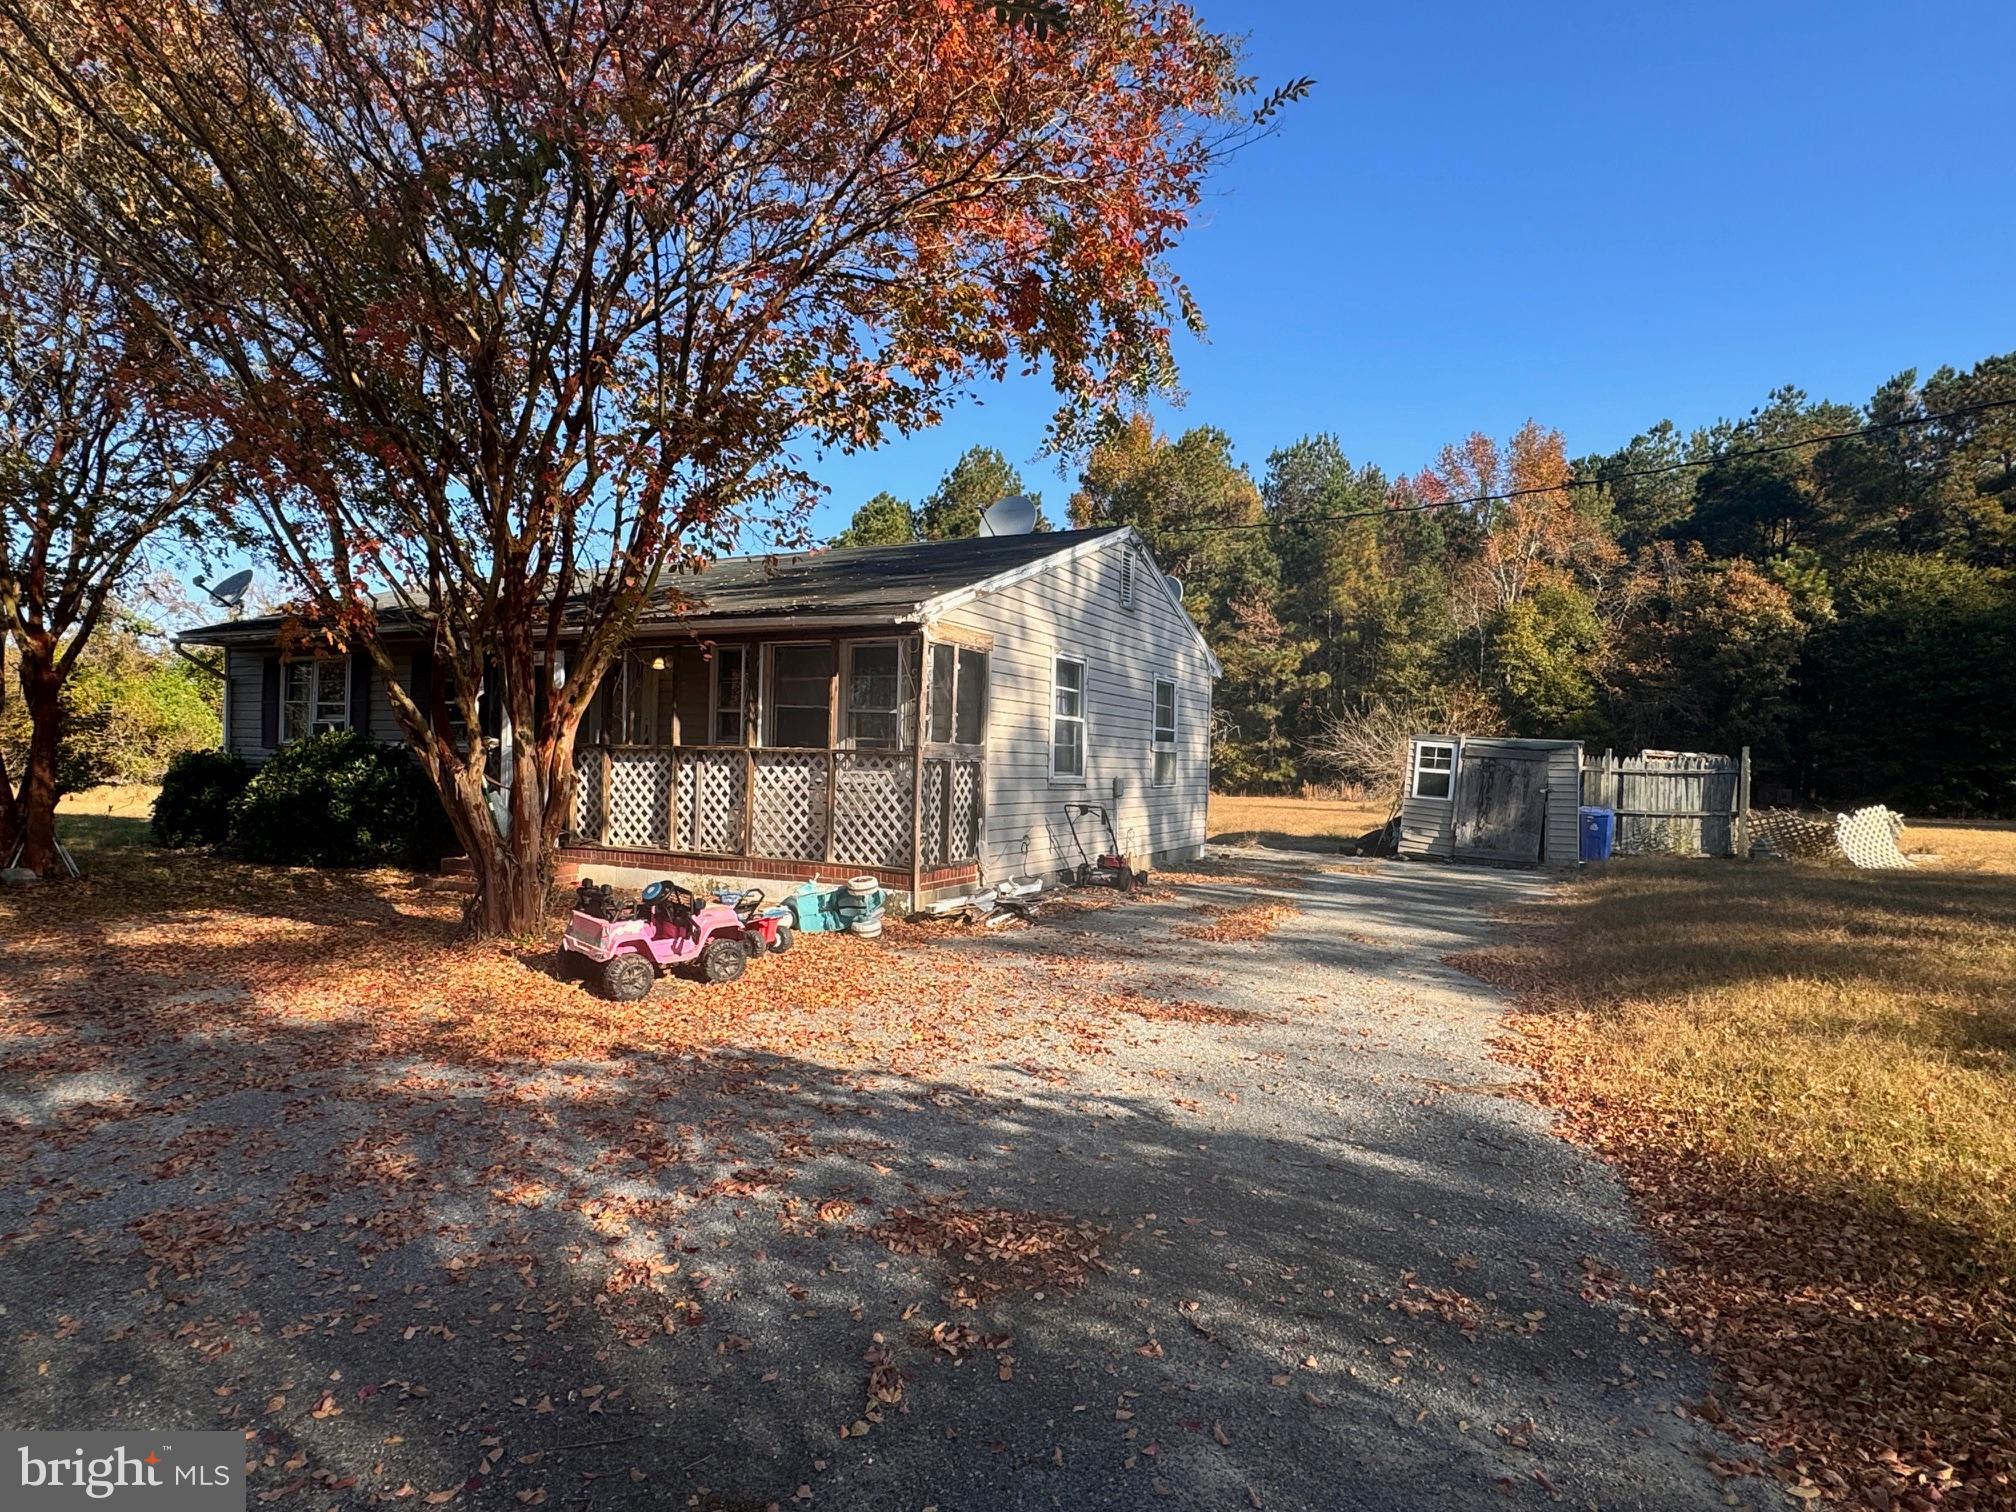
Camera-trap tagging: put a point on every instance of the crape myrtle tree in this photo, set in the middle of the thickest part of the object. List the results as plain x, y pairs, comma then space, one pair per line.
516, 297
95, 472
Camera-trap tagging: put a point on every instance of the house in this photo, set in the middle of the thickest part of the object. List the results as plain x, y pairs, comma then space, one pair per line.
921, 713
1491, 799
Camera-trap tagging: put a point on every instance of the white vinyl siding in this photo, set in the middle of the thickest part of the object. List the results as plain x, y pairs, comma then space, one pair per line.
1068, 609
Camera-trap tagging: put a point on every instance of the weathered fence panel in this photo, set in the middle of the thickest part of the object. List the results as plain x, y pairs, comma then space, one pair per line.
1682, 803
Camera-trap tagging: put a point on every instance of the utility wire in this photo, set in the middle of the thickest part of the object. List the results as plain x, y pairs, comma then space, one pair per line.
1601, 479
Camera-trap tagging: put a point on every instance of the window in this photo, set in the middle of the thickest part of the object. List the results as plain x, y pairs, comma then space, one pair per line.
1067, 718
315, 697
957, 706
731, 667
874, 696
801, 696
944, 661
969, 727
1165, 732
1434, 769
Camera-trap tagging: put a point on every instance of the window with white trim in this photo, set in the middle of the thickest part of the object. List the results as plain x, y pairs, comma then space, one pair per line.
1067, 718
1434, 769
315, 697
1164, 743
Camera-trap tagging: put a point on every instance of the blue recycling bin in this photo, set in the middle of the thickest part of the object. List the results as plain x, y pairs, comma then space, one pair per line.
1599, 833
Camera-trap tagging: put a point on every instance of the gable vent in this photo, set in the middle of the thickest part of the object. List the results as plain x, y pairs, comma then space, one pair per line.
1126, 580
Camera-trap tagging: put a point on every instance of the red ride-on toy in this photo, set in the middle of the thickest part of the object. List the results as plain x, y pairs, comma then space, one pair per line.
667, 929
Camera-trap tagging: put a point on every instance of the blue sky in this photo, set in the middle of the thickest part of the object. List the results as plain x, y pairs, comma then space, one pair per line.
1592, 215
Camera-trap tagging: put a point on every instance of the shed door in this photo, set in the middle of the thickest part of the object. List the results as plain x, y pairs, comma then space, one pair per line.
1501, 807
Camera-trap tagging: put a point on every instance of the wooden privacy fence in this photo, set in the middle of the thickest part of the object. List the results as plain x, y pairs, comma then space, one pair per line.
1673, 802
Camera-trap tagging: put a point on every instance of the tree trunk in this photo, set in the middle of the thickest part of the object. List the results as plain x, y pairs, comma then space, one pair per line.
37, 816
10, 814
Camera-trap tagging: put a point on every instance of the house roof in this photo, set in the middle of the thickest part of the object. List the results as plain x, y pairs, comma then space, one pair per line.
860, 584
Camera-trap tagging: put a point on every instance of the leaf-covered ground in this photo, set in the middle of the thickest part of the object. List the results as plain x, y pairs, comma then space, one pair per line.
1806, 1075
1195, 1199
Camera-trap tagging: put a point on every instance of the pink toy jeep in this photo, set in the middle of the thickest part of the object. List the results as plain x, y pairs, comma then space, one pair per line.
624, 956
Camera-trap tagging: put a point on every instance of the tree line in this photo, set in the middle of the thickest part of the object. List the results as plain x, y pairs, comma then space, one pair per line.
1830, 584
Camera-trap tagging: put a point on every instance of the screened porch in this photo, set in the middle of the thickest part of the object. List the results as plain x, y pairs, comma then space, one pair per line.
862, 752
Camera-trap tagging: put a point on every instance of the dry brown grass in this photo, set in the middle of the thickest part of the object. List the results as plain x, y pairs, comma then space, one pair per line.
1805, 1073
118, 800
1309, 819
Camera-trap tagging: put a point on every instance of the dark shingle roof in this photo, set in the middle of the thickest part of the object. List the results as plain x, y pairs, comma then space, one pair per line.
874, 584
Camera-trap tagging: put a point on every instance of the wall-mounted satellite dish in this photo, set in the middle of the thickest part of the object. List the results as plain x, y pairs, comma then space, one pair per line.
1013, 515
231, 592
1175, 588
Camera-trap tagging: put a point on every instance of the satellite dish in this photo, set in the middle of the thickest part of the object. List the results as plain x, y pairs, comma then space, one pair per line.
1012, 516
1175, 588
231, 592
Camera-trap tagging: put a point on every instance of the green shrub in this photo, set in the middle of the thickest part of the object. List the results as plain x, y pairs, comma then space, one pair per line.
340, 799
194, 805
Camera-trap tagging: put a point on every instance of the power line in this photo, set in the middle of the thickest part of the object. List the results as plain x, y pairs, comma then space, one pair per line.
1602, 479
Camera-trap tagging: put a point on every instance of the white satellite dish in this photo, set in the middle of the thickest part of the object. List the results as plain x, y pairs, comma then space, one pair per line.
1012, 516
1175, 588
231, 592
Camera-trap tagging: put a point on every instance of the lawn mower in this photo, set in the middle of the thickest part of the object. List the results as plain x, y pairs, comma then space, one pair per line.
1112, 868
667, 928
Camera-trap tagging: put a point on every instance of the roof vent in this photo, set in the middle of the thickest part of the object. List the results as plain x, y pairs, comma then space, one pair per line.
1011, 516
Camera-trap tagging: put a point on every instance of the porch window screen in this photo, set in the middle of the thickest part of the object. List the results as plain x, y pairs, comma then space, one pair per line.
801, 695
315, 697
1067, 718
875, 695
1165, 732
970, 725
730, 693
1434, 769
943, 661
648, 691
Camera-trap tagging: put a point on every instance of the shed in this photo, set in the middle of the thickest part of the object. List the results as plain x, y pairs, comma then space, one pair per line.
1493, 799
928, 714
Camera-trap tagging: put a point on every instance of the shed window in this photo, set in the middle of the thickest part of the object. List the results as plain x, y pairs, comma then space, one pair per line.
801, 695
1067, 718
315, 697
875, 695
1165, 732
1434, 769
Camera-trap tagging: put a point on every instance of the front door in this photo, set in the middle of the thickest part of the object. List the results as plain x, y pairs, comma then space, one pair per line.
1501, 807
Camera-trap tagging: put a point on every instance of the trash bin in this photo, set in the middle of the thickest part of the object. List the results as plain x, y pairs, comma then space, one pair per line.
1599, 833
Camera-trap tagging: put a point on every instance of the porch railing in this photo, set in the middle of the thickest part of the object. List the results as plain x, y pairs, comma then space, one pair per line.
784, 804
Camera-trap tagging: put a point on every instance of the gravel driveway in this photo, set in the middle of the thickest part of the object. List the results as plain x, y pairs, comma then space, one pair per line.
1335, 1268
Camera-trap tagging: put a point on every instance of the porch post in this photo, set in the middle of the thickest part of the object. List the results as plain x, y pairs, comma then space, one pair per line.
917, 776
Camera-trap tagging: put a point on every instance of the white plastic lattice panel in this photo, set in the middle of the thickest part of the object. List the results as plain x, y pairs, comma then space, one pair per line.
712, 789
871, 820
789, 819
934, 811
640, 793
963, 831
1868, 837
588, 794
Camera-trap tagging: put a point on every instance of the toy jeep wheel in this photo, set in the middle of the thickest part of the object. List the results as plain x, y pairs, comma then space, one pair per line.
784, 938
724, 961
627, 977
